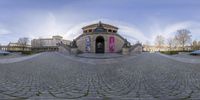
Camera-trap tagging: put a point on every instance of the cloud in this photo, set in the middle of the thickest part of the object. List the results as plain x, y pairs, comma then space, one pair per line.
4, 31
132, 34
76, 30
47, 24
47, 27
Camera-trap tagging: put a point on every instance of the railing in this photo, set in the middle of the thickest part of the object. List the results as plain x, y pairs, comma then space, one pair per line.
134, 46
67, 47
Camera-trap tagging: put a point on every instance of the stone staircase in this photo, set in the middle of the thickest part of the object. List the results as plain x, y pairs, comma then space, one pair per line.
136, 49
63, 48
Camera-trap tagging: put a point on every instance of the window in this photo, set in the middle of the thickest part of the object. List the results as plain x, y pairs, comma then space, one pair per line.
90, 30
85, 31
114, 31
109, 30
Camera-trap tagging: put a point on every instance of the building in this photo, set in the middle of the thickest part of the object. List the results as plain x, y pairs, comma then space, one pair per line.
17, 47
100, 38
48, 44
3, 47
153, 48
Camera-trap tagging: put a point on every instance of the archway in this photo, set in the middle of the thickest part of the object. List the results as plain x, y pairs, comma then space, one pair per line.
100, 46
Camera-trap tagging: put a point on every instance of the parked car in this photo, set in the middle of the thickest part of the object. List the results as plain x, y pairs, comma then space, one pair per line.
197, 52
4, 52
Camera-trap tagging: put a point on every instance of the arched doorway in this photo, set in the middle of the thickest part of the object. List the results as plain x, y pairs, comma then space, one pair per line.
100, 46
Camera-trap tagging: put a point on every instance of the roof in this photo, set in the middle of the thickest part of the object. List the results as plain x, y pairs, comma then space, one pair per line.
99, 24
13, 43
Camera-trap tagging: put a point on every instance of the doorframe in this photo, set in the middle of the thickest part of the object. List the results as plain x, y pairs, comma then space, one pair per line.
103, 41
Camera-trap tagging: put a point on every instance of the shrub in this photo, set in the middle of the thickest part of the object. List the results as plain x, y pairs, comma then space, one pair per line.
27, 52
170, 52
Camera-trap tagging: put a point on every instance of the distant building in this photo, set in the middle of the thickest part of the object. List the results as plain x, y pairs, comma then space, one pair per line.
16, 47
151, 48
48, 44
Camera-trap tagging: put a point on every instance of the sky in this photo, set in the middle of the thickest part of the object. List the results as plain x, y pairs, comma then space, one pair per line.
138, 20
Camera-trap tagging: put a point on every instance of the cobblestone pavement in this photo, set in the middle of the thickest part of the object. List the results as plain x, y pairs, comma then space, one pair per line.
187, 55
6, 59
185, 58
99, 56
146, 76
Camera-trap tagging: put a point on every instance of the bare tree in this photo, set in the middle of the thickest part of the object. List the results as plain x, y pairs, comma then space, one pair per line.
147, 46
195, 45
23, 42
159, 41
170, 42
199, 45
175, 43
183, 37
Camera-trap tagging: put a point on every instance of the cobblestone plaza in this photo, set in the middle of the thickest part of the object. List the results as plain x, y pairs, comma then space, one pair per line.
53, 76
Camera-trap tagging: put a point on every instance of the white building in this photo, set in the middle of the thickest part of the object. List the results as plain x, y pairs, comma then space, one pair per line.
48, 44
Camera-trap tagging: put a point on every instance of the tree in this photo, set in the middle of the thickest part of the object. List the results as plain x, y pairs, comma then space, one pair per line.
159, 41
183, 37
195, 45
147, 46
23, 42
170, 42
199, 45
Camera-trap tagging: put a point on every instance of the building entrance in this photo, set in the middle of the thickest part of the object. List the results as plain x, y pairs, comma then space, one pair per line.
100, 46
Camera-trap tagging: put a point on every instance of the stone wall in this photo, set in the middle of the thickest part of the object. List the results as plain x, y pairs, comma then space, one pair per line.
81, 42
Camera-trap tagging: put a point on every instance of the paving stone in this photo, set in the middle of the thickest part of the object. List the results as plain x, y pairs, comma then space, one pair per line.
141, 77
